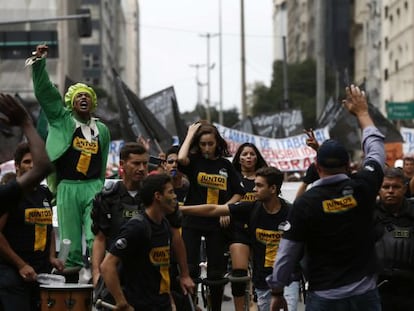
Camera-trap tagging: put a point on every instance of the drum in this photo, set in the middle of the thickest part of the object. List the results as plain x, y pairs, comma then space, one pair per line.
69, 296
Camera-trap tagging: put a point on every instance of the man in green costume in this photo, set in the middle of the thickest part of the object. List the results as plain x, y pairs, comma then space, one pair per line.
78, 146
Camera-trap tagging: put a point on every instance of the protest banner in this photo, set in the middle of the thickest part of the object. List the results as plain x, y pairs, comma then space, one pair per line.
408, 136
287, 154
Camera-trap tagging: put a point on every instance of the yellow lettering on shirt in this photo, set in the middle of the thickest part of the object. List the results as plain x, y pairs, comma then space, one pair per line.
160, 256
213, 181
339, 205
86, 148
271, 239
81, 144
83, 163
40, 218
248, 197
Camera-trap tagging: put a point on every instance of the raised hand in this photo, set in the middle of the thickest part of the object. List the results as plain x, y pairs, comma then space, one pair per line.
41, 50
14, 112
356, 101
311, 140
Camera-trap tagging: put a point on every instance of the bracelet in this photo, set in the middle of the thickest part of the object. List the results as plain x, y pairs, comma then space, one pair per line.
277, 294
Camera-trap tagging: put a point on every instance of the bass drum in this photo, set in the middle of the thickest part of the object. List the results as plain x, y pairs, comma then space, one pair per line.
61, 297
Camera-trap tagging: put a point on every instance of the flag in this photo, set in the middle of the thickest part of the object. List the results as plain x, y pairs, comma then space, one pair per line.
278, 125
344, 128
137, 120
164, 107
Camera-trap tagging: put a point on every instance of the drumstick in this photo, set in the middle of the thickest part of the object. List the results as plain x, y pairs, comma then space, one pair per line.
190, 299
101, 303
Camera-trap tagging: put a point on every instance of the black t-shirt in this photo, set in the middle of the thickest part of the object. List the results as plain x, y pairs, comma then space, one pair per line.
28, 228
335, 222
145, 255
248, 187
82, 160
265, 235
10, 194
114, 207
213, 182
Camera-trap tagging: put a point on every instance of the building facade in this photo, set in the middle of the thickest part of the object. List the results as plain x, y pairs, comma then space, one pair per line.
397, 61
112, 44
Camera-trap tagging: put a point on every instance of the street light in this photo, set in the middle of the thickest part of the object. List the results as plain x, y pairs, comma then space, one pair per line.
221, 121
243, 62
208, 36
198, 83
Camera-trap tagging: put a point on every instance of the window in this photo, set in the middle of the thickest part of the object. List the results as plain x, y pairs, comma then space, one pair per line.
20, 44
386, 11
386, 74
396, 65
386, 43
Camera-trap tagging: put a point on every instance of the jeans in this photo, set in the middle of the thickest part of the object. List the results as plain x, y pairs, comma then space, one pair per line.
291, 294
15, 294
397, 295
369, 301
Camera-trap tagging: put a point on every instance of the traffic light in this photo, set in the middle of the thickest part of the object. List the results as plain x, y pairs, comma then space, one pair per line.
84, 23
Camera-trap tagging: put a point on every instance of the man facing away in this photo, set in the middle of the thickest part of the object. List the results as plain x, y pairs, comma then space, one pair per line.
143, 247
78, 145
333, 223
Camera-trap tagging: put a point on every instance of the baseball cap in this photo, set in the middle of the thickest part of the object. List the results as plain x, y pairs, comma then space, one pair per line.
332, 154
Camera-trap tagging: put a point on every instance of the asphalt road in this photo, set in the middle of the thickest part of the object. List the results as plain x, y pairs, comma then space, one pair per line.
229, 306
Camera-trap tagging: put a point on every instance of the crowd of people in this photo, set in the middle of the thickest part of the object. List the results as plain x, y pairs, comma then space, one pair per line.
349, 237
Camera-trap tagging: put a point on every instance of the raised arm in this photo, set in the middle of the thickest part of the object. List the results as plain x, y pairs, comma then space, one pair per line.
372, 139
184, 151
356, 103
17, 116
46, 93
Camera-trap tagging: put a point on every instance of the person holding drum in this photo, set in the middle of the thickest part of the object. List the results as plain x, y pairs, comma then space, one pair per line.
143, 247
27, 242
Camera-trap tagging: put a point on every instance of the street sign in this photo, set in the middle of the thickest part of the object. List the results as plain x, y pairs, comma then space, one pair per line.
400, 110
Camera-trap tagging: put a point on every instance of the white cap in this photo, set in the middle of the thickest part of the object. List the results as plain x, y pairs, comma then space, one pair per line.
398, 163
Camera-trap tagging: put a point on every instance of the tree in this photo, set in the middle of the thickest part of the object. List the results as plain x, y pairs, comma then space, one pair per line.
302, 91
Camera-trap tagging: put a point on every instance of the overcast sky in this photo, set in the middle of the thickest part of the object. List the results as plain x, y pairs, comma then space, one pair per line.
171, 42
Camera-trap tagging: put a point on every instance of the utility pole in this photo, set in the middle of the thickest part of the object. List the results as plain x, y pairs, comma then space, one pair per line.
208, 36
243, 62
285, 76
221, 121
198, 83
320, 56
